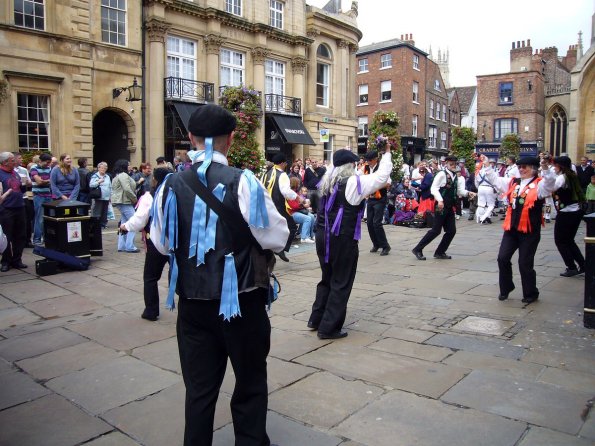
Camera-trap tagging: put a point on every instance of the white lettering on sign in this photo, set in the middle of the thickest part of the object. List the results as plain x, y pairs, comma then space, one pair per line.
295, 131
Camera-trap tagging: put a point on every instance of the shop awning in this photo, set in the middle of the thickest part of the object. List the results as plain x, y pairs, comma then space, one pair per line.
292, 130
184, 110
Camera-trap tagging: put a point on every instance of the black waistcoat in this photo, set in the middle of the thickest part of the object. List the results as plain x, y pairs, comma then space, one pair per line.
205, 281
563, 197
535, 214
276, 195
449, 191
349, 219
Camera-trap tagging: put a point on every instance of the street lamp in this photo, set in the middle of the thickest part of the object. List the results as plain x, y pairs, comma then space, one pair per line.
134, 91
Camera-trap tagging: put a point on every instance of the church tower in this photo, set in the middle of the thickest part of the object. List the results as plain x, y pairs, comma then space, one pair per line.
442, 62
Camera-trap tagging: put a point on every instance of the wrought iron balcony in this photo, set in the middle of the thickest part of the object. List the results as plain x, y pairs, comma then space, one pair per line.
276, 103
189, 90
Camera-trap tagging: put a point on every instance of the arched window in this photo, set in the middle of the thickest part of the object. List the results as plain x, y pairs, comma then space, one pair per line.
323, 75
558, 131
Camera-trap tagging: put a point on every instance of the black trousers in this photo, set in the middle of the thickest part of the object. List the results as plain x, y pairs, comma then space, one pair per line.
442, 220
292, 225
205, 341
154, 264
565, 229
375, 215
333, 290
527, 246
14, 225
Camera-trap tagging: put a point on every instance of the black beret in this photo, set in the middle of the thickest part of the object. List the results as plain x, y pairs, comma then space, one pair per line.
563, 161
528, 161
279, 158
344, 156
451, 158
372, 155
211, 120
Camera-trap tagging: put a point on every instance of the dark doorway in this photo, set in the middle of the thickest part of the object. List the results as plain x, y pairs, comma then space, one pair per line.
110, 138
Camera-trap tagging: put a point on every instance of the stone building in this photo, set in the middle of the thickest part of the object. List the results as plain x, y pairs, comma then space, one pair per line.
61, 63
68, 66
396, 75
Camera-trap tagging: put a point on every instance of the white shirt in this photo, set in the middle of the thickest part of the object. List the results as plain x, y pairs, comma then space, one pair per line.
274, 237
284, 185
440, 181
544, 188
369, 183
512, 171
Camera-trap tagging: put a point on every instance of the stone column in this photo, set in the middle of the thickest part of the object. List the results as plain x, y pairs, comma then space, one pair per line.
259, 55
342, 66
213, 44
156, 31
298, 68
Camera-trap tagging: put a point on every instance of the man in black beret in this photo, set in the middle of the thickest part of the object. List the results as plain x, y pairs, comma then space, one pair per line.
338, 230
276, 181
522, 224
221, 228
375, 208
445, 189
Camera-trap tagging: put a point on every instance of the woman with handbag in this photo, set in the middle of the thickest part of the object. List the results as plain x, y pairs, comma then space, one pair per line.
124, 198
100, 191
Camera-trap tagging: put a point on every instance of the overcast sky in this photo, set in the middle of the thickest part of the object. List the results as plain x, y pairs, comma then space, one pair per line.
477, 33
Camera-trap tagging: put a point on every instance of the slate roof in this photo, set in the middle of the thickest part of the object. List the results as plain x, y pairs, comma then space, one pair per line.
465, 97
392, 43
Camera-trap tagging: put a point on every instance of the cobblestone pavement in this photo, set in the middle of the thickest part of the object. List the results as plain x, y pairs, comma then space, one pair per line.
432, 356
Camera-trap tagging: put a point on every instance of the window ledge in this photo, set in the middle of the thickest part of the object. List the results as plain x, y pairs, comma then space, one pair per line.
362, 72
385, 101
416, 69
415, 102
361, 104
386, 68
505, 103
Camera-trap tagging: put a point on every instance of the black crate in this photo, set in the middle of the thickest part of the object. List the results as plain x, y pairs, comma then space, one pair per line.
46, 267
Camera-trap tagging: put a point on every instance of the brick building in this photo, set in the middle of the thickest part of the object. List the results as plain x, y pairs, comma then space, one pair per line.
396, 75
531, 100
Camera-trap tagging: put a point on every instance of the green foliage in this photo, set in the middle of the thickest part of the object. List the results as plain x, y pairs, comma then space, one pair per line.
511, 146
244, 103
383, 130
463, 145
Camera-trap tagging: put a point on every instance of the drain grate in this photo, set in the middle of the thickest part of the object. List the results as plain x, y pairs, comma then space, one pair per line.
485, 326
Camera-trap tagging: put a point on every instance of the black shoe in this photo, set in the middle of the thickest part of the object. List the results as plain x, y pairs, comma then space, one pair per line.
471, 217
374, 249
570, 272
282, 256
488, 221
149, 316
503, 296
529, 300
443, 256
312, 326
19, 265
4, 268
336, 335
385, 251
418, 254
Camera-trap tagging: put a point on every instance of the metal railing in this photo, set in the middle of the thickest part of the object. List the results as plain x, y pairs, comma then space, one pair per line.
189, 90
276, 103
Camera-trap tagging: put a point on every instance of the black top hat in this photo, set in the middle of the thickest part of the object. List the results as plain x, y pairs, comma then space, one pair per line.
211, 120
450, 158
563, 161
344, 156
528, 161
279, 158
372, 155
